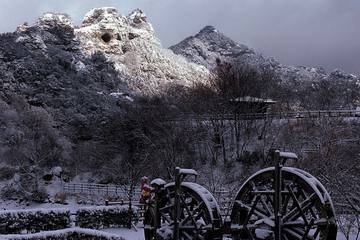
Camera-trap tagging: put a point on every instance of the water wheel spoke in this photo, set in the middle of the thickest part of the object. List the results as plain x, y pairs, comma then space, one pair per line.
266, 207
167, 207
294, 223
297, 234
302, 209
191, 214
297, 205
300, 230
285, 237
198, 215
259, 210
266, 210
255, 211
303, 194
167, 219
269, 200
321, 222
304, 206
185, 234
317, 232
252, 209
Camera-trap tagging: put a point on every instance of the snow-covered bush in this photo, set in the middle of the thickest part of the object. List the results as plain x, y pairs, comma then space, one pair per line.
40, 195
31, 221
104, 217
66, 234
11, 192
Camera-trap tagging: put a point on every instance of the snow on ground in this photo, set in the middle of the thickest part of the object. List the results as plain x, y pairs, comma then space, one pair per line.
130, 234
72, 205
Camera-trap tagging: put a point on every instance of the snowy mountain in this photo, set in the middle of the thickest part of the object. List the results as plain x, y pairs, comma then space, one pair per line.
112, 55
210, 44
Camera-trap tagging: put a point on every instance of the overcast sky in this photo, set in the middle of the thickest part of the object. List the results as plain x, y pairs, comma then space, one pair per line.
297, 32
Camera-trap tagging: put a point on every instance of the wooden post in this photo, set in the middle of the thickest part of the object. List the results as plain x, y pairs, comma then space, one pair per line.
177, 204
278, 189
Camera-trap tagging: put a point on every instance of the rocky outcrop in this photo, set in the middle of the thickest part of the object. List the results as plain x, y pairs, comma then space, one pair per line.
129, 54
130, 44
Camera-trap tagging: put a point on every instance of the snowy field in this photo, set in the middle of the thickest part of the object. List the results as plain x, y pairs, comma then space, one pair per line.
130, 234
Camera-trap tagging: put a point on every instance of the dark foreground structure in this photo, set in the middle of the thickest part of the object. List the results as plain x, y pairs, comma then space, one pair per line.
275, 203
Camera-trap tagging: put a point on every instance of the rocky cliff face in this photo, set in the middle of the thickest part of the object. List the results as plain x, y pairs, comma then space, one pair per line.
130, 44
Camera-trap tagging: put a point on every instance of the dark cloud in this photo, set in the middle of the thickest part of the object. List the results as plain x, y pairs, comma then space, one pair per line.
298, 32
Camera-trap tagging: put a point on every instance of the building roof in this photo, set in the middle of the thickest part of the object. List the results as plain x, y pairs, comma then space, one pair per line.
249, 99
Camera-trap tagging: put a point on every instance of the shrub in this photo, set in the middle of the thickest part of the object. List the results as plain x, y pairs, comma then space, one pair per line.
104, 217
39, 196
31, 221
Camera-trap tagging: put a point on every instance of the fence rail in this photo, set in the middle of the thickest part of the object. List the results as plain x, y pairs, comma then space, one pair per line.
271, 115
100, 190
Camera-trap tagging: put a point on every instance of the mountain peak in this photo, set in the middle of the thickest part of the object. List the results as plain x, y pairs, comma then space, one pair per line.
209, 45
50, 20
208, 29
97, 15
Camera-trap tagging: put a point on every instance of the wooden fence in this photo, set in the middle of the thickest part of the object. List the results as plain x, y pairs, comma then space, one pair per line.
100, 190
271, 115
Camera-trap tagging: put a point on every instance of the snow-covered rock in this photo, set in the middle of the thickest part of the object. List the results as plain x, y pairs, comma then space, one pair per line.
50, 20
131, 45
